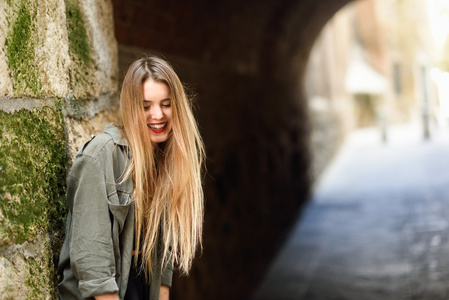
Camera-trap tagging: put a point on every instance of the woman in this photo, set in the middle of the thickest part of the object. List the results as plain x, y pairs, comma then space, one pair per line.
135, 194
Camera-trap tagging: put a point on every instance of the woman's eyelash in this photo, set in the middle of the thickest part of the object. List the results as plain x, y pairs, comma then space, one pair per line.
163, 105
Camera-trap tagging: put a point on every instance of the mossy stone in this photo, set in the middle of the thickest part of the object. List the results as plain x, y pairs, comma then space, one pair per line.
78, 39
32, 174
20, 52
79, 50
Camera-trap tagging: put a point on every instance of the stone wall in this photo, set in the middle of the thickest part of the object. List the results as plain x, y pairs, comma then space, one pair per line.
331, 108
58, 85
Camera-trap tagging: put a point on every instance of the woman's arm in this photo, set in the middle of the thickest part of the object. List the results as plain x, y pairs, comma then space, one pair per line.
91, 242
164, 292
111, 296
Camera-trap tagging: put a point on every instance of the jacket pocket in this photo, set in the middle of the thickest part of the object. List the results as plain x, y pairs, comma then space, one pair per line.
118, 197
119, 203
119, 214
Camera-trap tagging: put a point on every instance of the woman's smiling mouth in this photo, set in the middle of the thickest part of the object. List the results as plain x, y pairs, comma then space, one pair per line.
158, 127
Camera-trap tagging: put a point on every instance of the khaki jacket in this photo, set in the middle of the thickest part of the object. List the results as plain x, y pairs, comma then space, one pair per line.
96, 255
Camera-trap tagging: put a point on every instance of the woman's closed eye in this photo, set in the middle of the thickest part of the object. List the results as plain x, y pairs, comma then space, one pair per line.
166, 103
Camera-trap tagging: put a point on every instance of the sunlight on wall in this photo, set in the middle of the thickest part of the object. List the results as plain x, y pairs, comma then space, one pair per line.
438, 12
441, 80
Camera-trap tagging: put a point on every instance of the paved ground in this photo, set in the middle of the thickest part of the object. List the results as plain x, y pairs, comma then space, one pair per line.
377, 226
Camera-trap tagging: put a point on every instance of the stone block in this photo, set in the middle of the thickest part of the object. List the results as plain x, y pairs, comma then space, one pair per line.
32, 179
79, 131
25, 271
32, 200
57, 48
99, 24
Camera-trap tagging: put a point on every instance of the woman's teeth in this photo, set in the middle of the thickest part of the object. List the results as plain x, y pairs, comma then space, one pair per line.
157, 126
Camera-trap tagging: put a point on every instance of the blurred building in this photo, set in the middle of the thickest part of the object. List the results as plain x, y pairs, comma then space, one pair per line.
370, 67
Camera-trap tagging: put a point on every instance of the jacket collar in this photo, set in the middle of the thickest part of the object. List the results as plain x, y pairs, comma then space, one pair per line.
116, 135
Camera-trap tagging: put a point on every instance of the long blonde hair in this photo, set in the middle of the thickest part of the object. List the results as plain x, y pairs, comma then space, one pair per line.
168, 193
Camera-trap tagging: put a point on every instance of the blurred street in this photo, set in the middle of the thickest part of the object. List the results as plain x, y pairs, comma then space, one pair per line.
377, 226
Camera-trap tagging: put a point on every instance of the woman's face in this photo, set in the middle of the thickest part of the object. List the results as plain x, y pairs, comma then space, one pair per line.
158, 111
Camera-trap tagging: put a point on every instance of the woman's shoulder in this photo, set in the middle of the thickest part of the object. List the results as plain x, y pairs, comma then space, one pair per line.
106, 142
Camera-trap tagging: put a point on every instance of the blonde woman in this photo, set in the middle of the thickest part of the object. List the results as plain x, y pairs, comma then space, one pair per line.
135, 194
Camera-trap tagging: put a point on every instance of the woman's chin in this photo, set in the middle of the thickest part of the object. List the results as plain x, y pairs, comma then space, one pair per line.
159, 137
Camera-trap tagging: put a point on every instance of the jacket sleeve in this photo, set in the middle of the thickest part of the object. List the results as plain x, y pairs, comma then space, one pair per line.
91, 247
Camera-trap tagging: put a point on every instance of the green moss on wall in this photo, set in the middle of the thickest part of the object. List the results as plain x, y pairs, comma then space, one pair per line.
39, 280
78, 40
32, 174
79, 50
20, 52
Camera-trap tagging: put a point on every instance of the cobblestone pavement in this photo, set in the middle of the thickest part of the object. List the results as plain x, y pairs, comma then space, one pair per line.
377, 226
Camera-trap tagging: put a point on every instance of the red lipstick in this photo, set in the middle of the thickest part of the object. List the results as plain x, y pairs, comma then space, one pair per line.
158, 127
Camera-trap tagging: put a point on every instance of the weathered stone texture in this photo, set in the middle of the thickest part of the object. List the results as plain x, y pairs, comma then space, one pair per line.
100, 28
25, 272
33, 49
58, 85
19, 48
52, 52
32, 203
93, 48
32, 181
80, 131
5, 81
57, 48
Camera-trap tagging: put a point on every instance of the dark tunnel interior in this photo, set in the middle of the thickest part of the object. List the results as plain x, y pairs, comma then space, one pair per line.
244, 62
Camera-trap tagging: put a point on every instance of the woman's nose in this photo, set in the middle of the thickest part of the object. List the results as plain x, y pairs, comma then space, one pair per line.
156, 112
